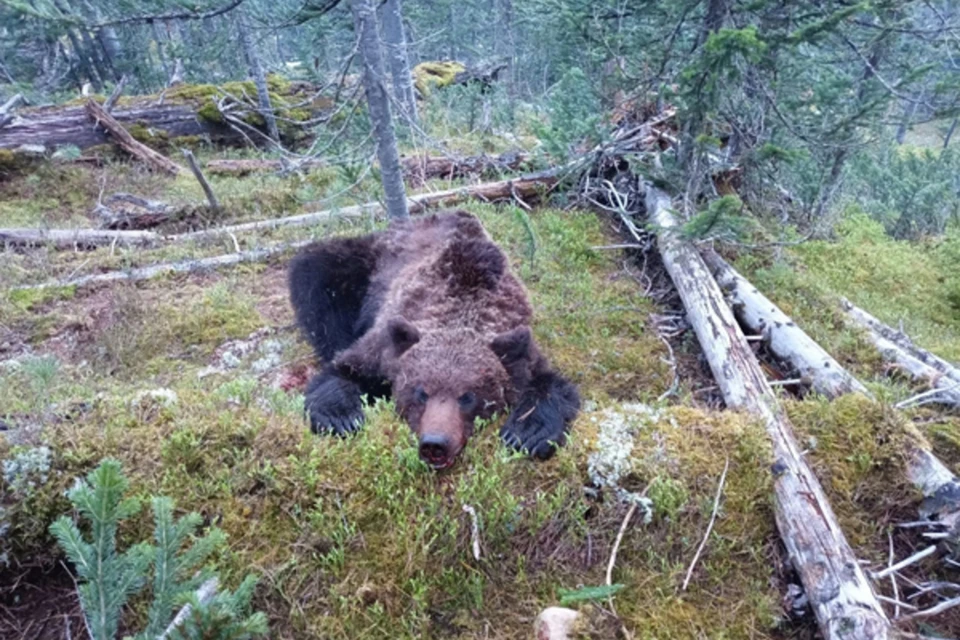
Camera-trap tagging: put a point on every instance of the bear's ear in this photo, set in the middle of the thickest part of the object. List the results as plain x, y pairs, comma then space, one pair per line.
403, 335
513, 346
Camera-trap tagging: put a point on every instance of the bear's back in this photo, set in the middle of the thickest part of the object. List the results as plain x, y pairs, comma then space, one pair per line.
421, 276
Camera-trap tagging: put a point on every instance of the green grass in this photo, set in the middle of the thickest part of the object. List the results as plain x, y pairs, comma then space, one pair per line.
355, 538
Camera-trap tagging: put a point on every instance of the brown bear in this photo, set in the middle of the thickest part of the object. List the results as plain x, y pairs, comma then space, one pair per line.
430, 312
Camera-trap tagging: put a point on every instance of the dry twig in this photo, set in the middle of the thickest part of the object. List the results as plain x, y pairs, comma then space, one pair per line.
713, 518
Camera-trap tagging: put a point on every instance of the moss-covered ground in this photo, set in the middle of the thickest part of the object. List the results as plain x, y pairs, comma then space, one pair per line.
355, 538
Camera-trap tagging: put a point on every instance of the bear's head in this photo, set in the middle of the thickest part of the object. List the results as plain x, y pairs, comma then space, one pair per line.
444, 380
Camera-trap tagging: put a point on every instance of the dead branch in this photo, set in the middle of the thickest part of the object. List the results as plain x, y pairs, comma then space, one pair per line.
713, 518
901, 340
6, 110
840, 594
207, 189
787, 341
127, 211
117, 90
204, 594
528, 186
123, 138
917, 363
417, 169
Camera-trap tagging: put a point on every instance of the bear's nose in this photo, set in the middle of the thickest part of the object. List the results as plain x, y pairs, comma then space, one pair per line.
435, 451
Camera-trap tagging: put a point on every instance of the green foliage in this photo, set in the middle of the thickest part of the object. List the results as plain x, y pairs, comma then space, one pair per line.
109, 578
588, 594
721, 220
574, 116
912, 191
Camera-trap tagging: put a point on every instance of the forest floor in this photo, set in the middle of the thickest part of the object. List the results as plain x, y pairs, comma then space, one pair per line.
194, 382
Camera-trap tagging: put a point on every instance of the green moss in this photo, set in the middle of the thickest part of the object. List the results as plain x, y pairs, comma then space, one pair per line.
31, 299
7, 160
148, 135
428, 75
208, 111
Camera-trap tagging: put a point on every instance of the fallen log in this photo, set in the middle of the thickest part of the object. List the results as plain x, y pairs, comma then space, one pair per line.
781, 334
839, 593
150, 213
127, 211
948, 388
901, 340
129, 144
183, 111
416, 169
76, 238
185, 266
519, 188
758, 314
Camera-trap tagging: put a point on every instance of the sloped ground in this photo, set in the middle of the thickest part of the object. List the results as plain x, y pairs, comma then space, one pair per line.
194, 382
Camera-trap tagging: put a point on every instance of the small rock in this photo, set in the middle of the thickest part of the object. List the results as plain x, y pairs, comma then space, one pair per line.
555, 623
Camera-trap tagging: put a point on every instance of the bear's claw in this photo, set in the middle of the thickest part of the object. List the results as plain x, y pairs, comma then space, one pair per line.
333, 405
540, 421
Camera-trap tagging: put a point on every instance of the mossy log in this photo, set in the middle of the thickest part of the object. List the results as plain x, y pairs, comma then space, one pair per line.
842, 599
438, 74
186, 111
758, 314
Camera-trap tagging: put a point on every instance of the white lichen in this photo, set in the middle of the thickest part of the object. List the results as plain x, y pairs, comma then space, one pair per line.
27, 469
613, 458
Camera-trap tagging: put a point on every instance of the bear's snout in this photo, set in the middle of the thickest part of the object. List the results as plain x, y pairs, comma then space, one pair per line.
435, 451
441, 433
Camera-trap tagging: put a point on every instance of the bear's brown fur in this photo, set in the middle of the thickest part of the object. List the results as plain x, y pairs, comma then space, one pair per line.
430, 311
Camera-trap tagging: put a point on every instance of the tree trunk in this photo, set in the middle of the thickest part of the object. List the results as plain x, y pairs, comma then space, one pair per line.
839, 593
378, 105
396, 43
909, 111
953, 127
788, 342
259, 77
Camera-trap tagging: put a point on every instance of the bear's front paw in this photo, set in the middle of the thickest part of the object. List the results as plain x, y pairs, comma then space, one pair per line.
340, 423
333, 405
540, 421
536, 429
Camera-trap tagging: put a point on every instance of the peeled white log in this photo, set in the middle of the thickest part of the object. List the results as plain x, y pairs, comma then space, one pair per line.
186, 266
787, 341
76, 238
907, 360
901, 341
784, 338
839, 592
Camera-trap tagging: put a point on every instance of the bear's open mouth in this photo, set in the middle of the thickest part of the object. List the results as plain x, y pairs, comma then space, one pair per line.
441, 465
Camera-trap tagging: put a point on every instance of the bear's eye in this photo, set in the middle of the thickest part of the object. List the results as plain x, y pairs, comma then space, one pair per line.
420, 396
467, 401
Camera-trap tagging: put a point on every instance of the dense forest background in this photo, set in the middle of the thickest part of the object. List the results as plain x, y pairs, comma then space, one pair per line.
814, 98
